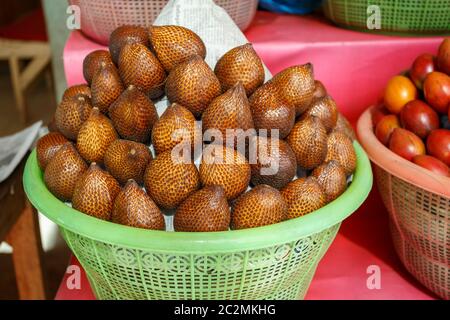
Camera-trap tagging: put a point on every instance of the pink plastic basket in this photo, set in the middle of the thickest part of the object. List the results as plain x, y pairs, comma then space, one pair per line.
418, 202
100, 17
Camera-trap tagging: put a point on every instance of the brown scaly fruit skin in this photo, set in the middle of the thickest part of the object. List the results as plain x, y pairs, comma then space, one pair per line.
319, 90
296, 85
192, 84
47, 146
303, 196
133, 115
267, 158
325, 109
308, 140
52, 125
95, 136
340, 148
261, 206
127, 160
226, 167
93, 62
206, 210
240, 64
76, 90
169, 182
70, 115
63, 171
133, 207
331, 177
175, 44
124, 35
176, 118
270, 112
230, 110
344, 126
95, 192
106, 87
139, 67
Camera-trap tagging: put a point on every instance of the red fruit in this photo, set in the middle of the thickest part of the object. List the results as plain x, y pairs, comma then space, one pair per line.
378, 113
399, 91
406, 144
421, 67
437, 91
419, 118
443, 57
432, 164
385, 127
438, 145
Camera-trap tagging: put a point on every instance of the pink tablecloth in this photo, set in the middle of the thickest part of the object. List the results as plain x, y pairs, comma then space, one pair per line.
354, 67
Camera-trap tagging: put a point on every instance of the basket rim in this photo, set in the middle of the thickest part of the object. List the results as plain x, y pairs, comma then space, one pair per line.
396, 165
101, 35
201, 242
394, 28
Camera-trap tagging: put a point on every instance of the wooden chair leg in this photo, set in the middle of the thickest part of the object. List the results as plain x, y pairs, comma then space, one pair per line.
25, 240
14, 66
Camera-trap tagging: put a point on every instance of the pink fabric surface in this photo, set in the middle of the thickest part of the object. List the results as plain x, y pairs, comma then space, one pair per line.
354, 67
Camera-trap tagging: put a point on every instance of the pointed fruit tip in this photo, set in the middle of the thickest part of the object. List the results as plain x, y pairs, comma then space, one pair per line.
95, 112
239, 86
130, 182
216, 188
195, 57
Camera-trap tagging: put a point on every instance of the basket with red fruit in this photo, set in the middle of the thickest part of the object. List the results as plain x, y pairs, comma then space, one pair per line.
407, 137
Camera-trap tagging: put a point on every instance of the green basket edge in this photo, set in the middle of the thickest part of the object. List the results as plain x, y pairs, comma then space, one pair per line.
393, 29
206, 242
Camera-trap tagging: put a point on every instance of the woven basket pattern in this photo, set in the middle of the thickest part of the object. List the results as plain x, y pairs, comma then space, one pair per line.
100, 17
420, 229
405, 16
282, 271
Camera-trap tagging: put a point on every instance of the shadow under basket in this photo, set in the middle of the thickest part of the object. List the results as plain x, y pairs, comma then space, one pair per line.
418, 202
270, 262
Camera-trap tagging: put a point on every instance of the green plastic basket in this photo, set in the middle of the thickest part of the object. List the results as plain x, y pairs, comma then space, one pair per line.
271, 262
397, 16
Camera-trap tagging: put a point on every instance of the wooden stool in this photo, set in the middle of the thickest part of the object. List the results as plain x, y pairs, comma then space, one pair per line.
19, 226
16, 50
